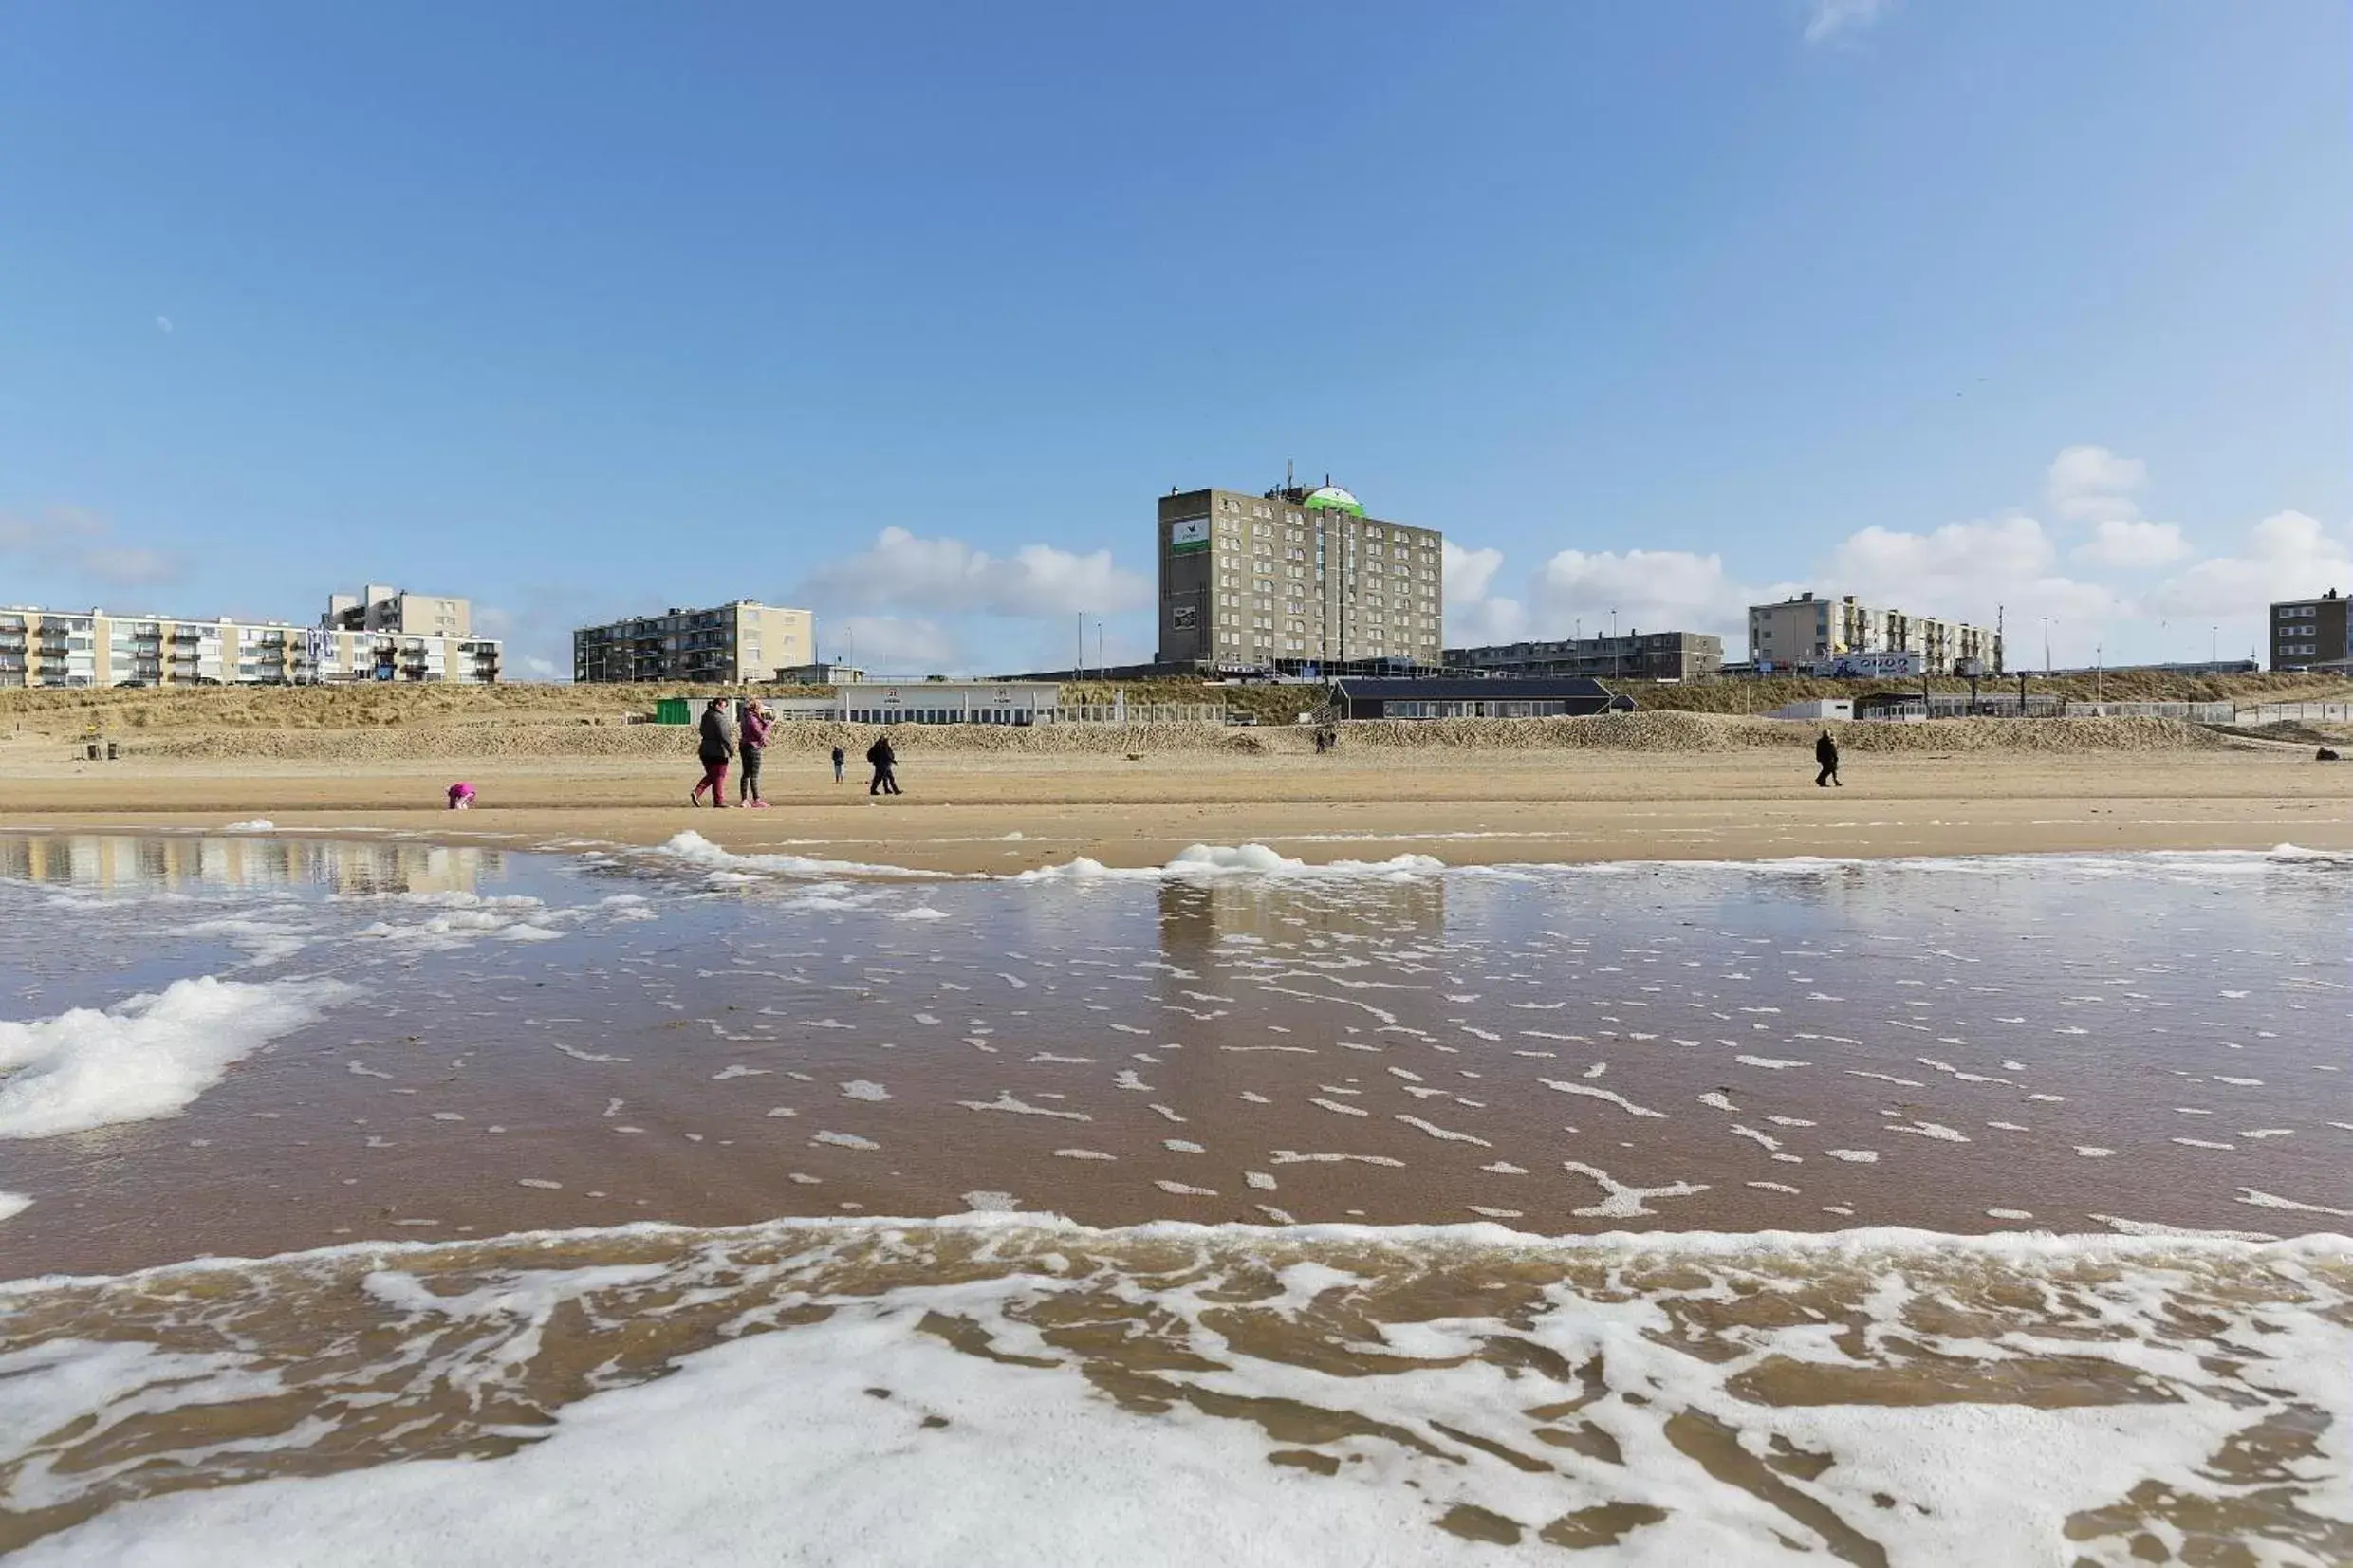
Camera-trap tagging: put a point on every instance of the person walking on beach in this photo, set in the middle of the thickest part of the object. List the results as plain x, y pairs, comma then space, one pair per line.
752, 740
886, 763
716, 749
839, 757
1826, 753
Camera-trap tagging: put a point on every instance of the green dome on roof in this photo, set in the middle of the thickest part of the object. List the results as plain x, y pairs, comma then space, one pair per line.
1332, 498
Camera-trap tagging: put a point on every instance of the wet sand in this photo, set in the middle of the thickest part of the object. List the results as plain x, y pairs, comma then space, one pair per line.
712, 1040
466, 1075
963, 812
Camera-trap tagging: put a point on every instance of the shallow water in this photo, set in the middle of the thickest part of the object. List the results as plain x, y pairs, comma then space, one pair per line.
482, 1042
360, 1044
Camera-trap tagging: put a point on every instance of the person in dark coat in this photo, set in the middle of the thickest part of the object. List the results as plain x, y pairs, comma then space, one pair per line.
716, 749
1826, 753
886, 763
839, 757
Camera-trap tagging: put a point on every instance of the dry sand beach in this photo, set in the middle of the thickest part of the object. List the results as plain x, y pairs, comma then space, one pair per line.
1648, 785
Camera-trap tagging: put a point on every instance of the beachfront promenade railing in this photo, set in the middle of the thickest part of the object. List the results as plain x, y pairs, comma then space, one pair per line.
2296, 713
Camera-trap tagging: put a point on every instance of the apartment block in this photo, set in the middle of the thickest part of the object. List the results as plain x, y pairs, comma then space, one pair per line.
2309, 634
1637, 656
92, 647
1294, 576
724, 645
380, 608
1801, 630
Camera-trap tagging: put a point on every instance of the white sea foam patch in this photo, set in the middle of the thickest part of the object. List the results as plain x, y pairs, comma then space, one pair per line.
147, 1058
693, 849
898, 1392
1212, 860
13, 1204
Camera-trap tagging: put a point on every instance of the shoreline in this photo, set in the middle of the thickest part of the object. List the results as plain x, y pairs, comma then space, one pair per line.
1849, 1242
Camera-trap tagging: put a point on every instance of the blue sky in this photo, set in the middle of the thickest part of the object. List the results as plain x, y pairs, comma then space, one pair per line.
909, 311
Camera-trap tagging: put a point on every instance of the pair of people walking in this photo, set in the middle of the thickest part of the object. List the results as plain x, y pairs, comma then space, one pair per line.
722, 744
885, 764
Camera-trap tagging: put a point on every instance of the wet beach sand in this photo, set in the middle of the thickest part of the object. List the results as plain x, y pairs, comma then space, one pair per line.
1358, 1187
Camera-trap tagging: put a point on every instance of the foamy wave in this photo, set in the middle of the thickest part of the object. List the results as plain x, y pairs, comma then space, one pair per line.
147, 1058
694, 849
1207, 860
898, 1392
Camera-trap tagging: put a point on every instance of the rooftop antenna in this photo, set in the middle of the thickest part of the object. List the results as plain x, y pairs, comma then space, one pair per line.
1288, 483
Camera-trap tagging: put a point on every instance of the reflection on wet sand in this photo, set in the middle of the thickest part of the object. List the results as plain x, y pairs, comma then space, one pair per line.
111, 862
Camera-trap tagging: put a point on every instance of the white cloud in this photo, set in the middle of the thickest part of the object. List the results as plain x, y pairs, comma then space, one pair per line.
2287, 555
1658, 590
1968, 571
900, 571
1831, 17
1468, 573
81, 545
2091, 484
164, 325
2129, 544
894, 645
1472, 618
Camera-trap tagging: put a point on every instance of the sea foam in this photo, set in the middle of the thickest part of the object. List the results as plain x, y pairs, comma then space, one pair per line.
147, 1058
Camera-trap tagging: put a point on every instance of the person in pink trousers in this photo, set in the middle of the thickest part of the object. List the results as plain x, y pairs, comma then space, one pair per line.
716, 749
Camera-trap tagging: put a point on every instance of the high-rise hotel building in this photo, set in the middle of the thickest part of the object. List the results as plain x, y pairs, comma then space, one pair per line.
1294, 576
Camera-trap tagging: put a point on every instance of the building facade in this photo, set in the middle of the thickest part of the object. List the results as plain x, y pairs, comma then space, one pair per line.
1295, 577
2312, 634
928, 702
380, 608
724, 645
823, 673
1799, 631
1637, 656
93, 648
1476, 698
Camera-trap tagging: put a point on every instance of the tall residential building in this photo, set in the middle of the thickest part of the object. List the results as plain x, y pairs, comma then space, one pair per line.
92, 648
2308, 634
1294, 575
1809, 627
724, 645
1637, 656
380, 608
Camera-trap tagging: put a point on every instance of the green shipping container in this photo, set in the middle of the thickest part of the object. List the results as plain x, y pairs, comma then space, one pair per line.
674, 711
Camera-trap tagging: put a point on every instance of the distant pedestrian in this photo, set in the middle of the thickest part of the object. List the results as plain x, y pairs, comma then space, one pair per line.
840, 757
886, 763
461, 797
716, 749
752, 740
1826, 753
